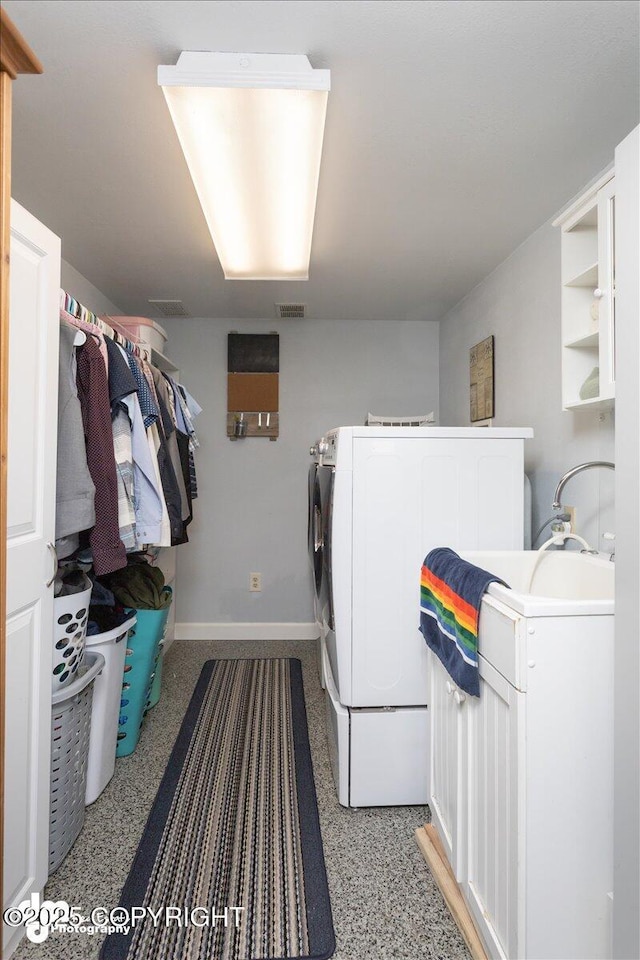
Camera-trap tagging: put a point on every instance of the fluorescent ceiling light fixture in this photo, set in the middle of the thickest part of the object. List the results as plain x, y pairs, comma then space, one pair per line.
251, 128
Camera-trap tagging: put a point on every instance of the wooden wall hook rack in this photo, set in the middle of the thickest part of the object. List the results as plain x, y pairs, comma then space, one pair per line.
252, 424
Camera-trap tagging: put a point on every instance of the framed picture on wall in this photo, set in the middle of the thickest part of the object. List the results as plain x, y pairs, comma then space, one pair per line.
481, 381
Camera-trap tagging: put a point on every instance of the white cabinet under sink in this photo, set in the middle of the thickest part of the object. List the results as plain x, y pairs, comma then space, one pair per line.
493, 883
447, 756
521, 783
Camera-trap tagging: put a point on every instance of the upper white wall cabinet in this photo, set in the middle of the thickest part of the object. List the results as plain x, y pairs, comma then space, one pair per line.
588, 297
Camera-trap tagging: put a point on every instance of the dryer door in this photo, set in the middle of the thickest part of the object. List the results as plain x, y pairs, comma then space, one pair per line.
314, 505
316, 546
321, 541
315, 556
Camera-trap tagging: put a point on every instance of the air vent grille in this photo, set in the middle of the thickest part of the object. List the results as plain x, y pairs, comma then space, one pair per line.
170, 308
290, 311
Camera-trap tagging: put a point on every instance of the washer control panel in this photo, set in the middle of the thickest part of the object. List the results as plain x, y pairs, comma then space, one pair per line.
328, 446
324, 450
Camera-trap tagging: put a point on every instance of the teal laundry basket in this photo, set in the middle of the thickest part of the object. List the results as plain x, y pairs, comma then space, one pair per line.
156, 682
139, 664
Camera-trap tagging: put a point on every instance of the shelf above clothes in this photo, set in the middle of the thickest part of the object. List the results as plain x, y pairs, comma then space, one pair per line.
163, 363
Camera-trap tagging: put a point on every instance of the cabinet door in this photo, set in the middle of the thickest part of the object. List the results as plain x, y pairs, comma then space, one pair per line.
33, 405
606, 288
493, 885
447, 754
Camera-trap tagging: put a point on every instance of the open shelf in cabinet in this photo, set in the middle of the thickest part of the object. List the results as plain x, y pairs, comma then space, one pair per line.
586, 278
588, 294
588, 340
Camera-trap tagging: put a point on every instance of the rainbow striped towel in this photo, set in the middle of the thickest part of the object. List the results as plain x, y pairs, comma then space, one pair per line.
451, 591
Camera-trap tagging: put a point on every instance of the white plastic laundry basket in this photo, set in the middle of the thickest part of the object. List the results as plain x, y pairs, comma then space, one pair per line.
70, 616
70, 727
105, 712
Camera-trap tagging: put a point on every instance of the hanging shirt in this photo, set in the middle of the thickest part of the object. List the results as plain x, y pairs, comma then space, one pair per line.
75, 492
148, 373
121, 380
193, 405
122, 385
171, 441
151, 518
169, 480
182, 437
188, 417
167, 527
148, 404
89, 328
108, 550
121, 429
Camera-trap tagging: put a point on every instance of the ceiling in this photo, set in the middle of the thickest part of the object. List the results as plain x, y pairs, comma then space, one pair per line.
454, 130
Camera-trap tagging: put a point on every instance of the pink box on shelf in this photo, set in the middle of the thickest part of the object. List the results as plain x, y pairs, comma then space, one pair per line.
147, 331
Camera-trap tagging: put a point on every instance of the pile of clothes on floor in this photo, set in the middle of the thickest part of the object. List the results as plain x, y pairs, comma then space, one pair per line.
138, 586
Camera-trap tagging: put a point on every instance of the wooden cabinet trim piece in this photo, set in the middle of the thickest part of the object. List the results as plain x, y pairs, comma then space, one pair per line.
16, 56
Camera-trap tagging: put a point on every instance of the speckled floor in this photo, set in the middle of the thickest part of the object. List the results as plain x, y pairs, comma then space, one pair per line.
385, 903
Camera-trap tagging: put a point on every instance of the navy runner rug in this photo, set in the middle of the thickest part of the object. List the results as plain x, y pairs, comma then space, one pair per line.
233, 838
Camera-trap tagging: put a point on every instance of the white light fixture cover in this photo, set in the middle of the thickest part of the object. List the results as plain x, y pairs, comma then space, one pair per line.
251, 128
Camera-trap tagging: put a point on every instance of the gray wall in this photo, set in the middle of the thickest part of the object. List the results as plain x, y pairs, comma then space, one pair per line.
84, 291
251, 514
519, 303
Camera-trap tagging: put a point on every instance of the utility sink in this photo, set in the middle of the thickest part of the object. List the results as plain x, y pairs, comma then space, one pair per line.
531, 785
551, 583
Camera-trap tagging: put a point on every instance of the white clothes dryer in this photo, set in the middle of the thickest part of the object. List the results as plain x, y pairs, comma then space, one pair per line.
387, 496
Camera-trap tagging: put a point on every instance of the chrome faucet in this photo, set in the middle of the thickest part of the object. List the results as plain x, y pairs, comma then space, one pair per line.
571, 473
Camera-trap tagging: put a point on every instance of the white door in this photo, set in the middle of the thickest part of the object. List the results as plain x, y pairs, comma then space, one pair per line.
447, 754
33, 403
494, 869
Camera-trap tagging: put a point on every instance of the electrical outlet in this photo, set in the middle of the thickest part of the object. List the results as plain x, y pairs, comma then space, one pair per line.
572, 517
255, 582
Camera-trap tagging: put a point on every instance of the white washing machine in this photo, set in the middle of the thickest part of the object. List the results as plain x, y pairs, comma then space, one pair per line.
388, 495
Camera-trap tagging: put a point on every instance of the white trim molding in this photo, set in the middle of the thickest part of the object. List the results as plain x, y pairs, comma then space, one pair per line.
247, 631
587, 195
626, 748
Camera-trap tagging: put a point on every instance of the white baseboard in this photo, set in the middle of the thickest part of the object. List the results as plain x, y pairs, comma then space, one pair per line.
247, 631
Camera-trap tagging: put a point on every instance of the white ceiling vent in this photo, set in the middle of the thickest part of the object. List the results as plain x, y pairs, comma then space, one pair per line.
169, 308
290, 311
